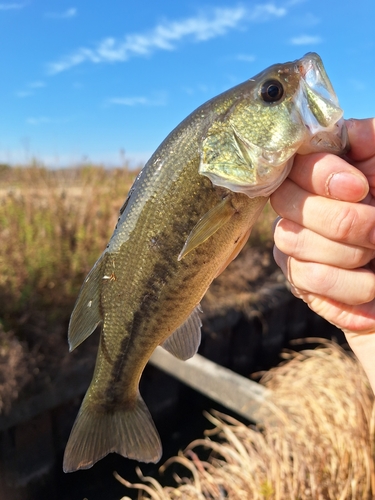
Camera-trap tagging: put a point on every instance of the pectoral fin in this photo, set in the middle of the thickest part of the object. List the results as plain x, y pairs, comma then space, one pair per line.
86, 313
184, 342
211, 222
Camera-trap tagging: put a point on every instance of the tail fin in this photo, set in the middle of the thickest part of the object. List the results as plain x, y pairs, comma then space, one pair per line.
129, 432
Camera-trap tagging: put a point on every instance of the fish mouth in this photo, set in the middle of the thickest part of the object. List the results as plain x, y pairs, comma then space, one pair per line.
319, 109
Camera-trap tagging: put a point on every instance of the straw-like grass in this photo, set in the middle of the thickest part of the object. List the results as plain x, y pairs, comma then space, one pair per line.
318, 446
53, 226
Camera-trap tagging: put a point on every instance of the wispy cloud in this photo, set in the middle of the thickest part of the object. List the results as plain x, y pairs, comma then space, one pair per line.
165, 36
306, 40
69, 13
37, 84
245, 57
138, 101
291, 3
358, 85
38, 120
42, 120
310, 19
23, 93
30, 89
11, 6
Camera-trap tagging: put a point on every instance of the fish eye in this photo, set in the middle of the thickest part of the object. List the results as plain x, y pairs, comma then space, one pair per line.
272, 91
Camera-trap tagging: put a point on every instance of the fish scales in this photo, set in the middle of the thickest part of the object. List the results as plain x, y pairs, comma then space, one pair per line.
188, 214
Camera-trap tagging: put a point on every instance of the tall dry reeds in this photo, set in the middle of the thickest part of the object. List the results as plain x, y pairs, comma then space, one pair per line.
53, 226
319, 444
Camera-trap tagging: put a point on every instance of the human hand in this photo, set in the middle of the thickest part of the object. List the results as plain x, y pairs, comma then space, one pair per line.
325, 239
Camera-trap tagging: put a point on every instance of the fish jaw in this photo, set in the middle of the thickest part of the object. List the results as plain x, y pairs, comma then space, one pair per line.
320, 111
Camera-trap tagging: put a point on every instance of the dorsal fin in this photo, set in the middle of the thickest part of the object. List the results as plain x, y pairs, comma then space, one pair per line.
184, 342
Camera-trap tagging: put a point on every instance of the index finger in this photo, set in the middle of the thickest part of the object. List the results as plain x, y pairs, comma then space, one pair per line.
330, 176
361, 138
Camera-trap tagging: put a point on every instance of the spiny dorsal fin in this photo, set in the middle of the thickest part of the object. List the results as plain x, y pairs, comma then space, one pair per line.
86, 313
184, 342
211, 222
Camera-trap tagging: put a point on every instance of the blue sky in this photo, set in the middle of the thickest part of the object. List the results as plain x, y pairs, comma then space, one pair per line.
86, 80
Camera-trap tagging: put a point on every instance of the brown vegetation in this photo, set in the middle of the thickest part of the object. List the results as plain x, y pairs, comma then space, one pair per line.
319, 445
54, 224
53, 227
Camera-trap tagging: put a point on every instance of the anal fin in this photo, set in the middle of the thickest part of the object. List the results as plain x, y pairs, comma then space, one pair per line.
184, 342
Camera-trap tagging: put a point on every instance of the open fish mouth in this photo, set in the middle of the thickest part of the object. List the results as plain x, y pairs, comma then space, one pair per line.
319, 108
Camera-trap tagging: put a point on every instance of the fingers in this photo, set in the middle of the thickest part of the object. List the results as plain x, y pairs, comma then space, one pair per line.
349, 286
362, 138
303, 244
349, 223
330, 176
364, 348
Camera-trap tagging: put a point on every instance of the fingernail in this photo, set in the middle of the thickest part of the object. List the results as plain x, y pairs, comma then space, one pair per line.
275, 224
346, 186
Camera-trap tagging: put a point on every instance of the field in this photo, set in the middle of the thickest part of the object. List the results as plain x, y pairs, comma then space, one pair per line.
53, 227
54, 224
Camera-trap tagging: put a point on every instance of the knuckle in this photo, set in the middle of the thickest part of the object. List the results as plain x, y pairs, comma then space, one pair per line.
320, 280
359, 257
287, 238
344, 223
367, 293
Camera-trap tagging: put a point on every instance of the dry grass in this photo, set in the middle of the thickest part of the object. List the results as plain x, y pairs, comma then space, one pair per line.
320, 445
53, 226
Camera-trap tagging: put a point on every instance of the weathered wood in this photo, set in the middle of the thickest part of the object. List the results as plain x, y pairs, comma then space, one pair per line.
247, 398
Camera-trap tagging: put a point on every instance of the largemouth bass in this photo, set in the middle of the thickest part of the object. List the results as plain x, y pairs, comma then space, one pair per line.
187, 216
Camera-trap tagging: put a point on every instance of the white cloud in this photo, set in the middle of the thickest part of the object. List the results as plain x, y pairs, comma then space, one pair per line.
24, 93
245, 57
38, 121
291, 3
11, 6
306, 40
165, 36
138, 101
72, 12
264, 12
37, 84
310, 19
30, 89
358, 85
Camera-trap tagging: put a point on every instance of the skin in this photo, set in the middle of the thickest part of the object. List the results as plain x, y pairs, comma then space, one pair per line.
325, 237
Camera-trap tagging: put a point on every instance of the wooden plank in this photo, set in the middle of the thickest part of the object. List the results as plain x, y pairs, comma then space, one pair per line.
247, 398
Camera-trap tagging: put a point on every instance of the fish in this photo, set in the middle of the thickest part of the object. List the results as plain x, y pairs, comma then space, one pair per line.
186, 217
